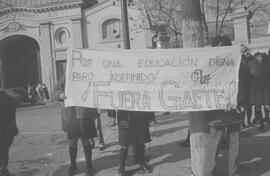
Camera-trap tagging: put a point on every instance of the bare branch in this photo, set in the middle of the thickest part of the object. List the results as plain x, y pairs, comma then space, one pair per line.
225, 15
148, 17
217, 16
251, 4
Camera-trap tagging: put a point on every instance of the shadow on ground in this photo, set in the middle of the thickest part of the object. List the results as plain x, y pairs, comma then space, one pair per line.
254, 153
167, 154
158, 155
254, 156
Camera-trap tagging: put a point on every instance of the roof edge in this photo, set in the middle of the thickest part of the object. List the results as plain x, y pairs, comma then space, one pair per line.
56, 5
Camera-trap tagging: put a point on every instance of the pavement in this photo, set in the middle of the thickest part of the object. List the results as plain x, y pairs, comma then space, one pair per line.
41, 149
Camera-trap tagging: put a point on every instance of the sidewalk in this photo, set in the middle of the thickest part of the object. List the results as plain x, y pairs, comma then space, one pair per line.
165, 156
48, 103
168, 159
42, 151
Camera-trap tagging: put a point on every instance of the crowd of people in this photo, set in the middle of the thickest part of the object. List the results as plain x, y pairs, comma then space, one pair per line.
37, 93
254, 87
133, 126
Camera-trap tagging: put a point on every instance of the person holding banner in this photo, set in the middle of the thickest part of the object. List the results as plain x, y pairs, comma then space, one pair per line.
266, 63
133, 129
221, 121
243, 97
77, 122
259, 95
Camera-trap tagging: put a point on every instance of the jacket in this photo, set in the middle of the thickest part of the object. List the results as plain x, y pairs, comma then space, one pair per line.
8, 126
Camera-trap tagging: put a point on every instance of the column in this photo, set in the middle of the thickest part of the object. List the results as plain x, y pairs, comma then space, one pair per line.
46, 58
241, 17
77, 32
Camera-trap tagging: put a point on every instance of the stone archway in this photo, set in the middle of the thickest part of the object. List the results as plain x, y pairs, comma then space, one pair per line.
20, 61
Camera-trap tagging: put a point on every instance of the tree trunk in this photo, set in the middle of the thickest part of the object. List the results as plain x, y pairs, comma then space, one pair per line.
192, 24
204, 21
205, 28
193, 37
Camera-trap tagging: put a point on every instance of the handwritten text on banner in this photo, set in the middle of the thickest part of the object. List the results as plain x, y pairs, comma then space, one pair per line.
153, 80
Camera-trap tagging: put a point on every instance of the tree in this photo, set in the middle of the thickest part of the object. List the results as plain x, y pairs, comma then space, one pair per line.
259, 15
260, 7
193, 37
169, 12
219, 10
160, 12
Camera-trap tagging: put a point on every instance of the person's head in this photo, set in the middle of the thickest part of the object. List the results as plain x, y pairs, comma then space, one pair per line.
258, 56
245, 50
264, 56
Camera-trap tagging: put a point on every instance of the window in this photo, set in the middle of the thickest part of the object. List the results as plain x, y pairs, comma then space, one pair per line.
62, 36
112, 29
60, 69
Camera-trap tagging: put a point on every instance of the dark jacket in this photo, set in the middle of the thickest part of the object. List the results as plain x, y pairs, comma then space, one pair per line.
266, 65
229, 119
244, 83
258, 77
71, 116
137, 120
8, 127
134, 127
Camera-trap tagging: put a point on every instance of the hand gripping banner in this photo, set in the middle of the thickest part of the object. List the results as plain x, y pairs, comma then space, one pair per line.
193, 79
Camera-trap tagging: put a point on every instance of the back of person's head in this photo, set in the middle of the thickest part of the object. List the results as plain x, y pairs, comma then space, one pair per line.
264, 55
221, 41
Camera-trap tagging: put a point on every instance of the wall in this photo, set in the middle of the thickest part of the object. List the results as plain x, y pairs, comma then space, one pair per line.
92, 31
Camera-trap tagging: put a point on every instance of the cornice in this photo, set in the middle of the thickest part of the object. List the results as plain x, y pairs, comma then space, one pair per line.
43, 8
98, 7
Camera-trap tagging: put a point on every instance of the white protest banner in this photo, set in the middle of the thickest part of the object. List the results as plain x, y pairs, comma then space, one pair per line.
153, 80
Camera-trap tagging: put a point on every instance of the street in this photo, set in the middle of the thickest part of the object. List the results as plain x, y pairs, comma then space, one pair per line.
41, 147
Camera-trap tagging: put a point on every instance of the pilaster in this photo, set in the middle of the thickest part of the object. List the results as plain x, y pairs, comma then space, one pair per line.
241, 17
46, 52
77, 32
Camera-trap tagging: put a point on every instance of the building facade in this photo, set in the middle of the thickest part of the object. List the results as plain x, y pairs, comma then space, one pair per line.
35, 34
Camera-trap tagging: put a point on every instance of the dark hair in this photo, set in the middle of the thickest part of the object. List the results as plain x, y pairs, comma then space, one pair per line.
221, 41
258, 54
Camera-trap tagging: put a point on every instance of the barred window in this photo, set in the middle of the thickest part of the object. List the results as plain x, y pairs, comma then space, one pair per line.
112, 29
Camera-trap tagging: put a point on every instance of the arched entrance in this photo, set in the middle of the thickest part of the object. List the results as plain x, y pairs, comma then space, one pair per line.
19, 61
